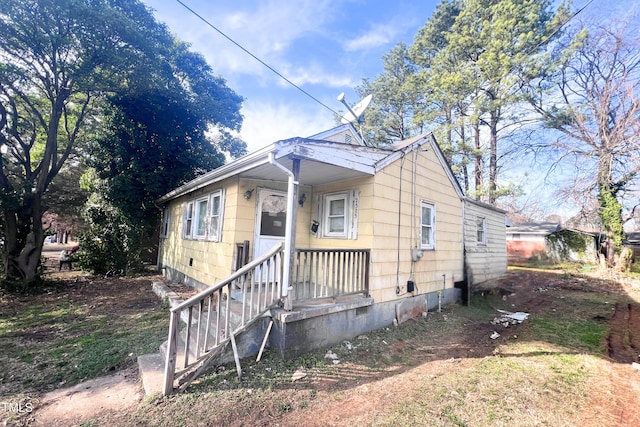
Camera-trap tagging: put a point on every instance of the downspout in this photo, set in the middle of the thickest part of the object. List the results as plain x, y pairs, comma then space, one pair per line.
159, 255
464, 238
289, 241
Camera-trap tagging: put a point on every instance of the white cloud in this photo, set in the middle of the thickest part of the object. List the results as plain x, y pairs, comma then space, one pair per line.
265, 28
315, 74
266, 122
378, 35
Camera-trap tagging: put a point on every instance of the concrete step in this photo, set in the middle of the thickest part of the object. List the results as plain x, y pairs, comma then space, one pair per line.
151, 368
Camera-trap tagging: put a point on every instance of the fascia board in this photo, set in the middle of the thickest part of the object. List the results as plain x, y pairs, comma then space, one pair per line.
484, 205
349, 158
397, 154
446, 167
240, 165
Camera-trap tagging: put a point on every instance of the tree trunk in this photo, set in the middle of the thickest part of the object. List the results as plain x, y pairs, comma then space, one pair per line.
493, 157
617, 256
23, 247
477, 160
463, 164
624, 261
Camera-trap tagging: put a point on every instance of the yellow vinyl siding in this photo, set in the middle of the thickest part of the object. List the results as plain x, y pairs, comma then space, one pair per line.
210, 261
431, 185
362, 185
378, 203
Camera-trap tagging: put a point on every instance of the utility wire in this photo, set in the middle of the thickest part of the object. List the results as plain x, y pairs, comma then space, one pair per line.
542, 42
547, 38
258, 59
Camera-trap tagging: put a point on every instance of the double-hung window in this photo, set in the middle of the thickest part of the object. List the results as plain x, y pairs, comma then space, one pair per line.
188, 220
427, 225
338, 214
336, 210
203, 217
215, 216
202, 209
164, 231
481, 230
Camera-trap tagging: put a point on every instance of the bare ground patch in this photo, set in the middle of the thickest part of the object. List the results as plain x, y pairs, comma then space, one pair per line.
569, 364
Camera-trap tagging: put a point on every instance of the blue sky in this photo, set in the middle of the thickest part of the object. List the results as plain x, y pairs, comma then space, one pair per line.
324, 46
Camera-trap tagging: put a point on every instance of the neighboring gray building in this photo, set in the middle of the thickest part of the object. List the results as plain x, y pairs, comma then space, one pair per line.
484, 241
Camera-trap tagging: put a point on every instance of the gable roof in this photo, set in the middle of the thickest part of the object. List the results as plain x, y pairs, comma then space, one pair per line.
344, 133
326, 161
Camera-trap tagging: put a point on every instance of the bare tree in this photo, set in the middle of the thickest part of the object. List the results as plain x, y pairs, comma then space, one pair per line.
591, 97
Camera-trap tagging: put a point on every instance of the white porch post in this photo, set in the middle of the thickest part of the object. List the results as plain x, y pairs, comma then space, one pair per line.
290, 227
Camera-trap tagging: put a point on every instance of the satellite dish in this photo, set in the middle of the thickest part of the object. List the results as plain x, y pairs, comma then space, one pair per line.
354, 113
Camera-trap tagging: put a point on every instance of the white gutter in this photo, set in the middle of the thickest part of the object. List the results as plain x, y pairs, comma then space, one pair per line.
289, 241
247, 162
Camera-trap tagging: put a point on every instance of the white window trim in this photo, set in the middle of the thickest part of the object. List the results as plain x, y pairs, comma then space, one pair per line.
432, 208
166, 223
217, 236
187, 221
191, 232
352, 208
197, 216
481, 225
328, 198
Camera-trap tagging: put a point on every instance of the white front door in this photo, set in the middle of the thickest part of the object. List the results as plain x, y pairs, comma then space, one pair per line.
271, 220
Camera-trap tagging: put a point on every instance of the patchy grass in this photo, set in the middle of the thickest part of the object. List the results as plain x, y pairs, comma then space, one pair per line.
530, 386
75, 332
441, 370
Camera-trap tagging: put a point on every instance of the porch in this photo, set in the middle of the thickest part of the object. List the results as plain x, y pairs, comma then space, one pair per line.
242, 309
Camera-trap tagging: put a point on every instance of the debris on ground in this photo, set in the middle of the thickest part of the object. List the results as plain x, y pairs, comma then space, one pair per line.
331, 355
507, 318
298, 375
494, 335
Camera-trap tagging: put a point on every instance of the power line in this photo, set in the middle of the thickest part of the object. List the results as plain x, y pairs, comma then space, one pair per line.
257, 59
541, 43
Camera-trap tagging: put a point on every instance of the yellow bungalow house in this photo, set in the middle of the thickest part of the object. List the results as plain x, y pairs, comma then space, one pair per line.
311, 241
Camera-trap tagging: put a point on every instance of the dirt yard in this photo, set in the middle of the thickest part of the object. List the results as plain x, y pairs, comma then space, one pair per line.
368, 386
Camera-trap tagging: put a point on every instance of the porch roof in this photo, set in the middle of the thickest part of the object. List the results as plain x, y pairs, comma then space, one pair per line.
324, 162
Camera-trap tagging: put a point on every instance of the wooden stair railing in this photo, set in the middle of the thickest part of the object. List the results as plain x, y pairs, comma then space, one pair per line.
213, 315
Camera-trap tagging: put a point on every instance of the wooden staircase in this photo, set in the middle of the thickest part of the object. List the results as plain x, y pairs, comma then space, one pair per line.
202, 327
